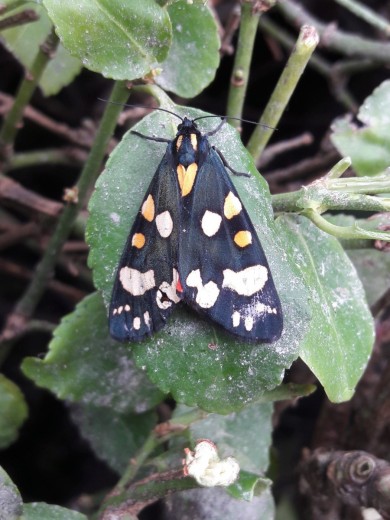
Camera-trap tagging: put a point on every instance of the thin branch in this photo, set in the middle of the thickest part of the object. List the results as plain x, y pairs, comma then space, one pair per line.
12, 121
333, 38
44, 269
306, 43
242, 61
366, 14
26, 16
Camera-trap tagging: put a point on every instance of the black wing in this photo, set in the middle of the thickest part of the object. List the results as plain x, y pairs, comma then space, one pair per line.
144, 292
223, 269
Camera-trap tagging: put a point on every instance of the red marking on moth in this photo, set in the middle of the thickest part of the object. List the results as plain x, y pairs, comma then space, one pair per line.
179, 287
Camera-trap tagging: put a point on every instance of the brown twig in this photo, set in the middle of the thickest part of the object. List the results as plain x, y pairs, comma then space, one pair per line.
83, 136
11, 192
287, 145
68, 292
15, 234
303, 168
25, 16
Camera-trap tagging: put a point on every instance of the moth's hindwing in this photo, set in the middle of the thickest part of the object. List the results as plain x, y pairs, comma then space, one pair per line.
144, 292
223, 269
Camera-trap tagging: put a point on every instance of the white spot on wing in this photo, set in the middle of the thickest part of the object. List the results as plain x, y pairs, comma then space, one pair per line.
249, 323
246, 282
166, 295
207, 294
147, 319
164, 224
135, 282
211, 222
236, 318
137, 323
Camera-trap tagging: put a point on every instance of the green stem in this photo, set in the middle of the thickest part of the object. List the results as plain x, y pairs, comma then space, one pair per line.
44, 269
335, 39
12, 121
41, 157
322, 66
240, 74
353, 232
366, 14
306, 43
177, 425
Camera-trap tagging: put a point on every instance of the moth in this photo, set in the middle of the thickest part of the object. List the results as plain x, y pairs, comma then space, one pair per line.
193, 241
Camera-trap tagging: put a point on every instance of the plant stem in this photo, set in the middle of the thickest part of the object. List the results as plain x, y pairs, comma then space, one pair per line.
366, 14
353, 232
12, 121
240, 74
334, 39
306, 43
44, 269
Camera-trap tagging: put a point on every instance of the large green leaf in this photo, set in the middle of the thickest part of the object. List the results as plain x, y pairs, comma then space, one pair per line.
13, 411
216, 504
24, 41
373, 267
11, 505
114, 437
341, 334
42, 511
85, 365
194, 55
367, 145
121, 40
245, 435
196, 361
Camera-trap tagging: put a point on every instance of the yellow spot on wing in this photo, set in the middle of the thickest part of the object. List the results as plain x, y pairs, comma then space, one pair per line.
243, 238
194, 141
232, 206
147, 209
138, 240
186, 177
178, 142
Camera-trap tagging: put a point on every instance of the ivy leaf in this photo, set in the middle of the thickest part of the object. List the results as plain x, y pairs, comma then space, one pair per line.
341, 335
121, 40
367, 145
24, 41
194, 54
13, 411
197, 362
85, 365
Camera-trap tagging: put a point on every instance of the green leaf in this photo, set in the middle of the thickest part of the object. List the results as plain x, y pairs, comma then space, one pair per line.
197, 362
121, 40
245, 435
114, 437
248, 486
194, 55
85, 365
13, 411
24, 41
10, 500
216, 504
368, 146
373, 268
42, 511
339, 342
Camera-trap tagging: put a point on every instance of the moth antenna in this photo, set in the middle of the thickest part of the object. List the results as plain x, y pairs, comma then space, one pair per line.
141, 106
237, 119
